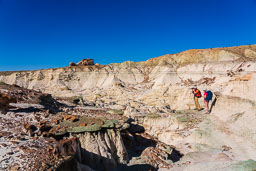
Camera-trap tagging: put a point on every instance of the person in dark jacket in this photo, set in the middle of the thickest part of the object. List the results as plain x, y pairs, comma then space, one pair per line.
207, 98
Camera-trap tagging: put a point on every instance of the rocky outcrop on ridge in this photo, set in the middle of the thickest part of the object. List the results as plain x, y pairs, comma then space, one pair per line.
83, 62
157, 98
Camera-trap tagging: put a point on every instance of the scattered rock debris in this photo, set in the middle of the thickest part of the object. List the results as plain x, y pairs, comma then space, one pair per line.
45, 138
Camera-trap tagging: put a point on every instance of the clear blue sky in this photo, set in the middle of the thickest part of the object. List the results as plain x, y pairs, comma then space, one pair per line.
37, 34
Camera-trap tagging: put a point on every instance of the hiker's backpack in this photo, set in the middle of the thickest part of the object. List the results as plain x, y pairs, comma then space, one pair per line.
199, 94
209, 97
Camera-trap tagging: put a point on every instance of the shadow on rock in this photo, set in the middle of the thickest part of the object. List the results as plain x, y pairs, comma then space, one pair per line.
213, 104
26, 110
137, 167
136, 144
89, 161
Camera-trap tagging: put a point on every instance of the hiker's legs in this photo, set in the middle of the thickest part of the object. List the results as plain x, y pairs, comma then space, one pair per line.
206, 105
197, 103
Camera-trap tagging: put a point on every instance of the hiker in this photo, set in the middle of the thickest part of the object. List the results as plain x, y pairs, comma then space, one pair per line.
207, 98
197, 94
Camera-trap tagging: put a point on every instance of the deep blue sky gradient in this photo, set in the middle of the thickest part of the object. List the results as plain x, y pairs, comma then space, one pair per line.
37, 34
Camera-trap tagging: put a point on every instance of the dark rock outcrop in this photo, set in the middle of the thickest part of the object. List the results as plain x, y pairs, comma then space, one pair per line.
5, 100
83, 62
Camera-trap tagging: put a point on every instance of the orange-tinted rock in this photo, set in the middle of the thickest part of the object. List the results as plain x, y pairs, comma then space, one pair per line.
58, 127
15, 168
26, 126
73, 119
67, 117
70, 118
5, 100
62, 129
83, 124
26, 149
57, 121
44, 128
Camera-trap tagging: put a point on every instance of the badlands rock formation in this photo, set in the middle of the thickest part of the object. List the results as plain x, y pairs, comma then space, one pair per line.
83, 62
157, 98
40, 133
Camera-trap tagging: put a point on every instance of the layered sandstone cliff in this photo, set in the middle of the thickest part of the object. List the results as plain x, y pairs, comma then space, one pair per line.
156, 94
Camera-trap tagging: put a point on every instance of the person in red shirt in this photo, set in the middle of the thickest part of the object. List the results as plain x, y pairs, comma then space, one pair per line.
206, 101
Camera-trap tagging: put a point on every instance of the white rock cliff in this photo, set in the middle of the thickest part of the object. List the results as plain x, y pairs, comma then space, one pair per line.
225, 139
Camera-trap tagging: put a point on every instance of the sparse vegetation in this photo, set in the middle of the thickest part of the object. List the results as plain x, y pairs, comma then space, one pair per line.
91, 128
153, 115
115, 112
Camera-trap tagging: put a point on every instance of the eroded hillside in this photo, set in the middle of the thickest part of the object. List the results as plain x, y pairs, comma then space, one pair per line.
156, 95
